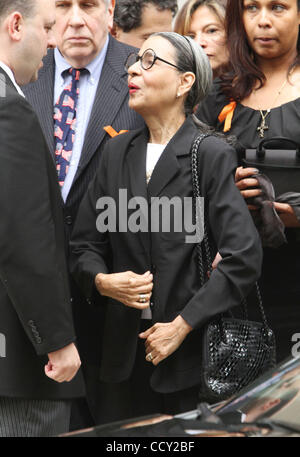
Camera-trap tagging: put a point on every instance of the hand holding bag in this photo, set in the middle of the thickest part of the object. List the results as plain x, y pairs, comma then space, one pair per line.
235, 351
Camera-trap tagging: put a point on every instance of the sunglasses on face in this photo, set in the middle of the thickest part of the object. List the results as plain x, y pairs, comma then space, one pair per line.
147, 60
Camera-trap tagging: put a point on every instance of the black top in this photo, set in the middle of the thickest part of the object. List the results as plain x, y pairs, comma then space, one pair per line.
280, 273
283, 120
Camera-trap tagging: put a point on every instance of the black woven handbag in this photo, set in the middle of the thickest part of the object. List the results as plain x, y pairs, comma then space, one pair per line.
235, 351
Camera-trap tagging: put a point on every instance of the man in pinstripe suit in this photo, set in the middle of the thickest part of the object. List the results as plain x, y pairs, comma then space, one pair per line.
82, 38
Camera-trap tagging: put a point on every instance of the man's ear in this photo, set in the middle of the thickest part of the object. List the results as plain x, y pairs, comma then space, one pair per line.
115, 31
15, 24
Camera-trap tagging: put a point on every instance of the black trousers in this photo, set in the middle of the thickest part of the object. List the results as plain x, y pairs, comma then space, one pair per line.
134, 397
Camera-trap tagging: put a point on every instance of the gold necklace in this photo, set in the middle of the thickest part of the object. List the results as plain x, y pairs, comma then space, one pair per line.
263, 126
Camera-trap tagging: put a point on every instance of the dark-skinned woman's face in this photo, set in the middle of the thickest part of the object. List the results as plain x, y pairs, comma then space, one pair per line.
272, 27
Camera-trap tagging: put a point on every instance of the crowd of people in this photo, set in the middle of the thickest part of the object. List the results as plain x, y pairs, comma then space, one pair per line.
100, 104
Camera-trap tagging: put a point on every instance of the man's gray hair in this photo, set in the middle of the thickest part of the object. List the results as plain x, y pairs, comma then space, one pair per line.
25, 7
190, 56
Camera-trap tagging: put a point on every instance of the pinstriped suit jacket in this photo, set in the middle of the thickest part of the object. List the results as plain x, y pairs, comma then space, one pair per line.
110, 108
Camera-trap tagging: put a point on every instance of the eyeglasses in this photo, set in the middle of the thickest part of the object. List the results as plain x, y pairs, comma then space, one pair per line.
147, 60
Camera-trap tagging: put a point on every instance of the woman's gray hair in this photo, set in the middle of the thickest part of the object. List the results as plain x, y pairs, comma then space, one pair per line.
190, 56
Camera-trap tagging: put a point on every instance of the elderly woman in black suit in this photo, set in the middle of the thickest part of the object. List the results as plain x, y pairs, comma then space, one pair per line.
156, 308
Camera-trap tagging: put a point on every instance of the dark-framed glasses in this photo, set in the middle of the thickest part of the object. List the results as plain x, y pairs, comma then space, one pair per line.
147, 60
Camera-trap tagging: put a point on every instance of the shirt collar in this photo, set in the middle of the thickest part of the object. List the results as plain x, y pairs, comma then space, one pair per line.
10, 74
94, 67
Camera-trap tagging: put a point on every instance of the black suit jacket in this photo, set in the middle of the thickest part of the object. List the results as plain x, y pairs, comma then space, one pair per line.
172, 261
35, 309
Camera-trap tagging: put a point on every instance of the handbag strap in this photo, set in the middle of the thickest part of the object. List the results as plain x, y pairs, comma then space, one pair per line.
203, 247
199, 210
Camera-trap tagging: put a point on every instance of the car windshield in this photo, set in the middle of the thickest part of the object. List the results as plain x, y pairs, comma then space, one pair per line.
275, 396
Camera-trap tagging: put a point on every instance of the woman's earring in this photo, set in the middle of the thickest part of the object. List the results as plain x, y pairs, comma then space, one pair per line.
178, 95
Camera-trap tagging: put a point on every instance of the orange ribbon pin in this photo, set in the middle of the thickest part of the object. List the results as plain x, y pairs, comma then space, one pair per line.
226, 115
112, 132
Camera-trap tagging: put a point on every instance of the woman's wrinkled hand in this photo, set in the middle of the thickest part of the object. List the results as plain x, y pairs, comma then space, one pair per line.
126, 287
246, 185
163, 339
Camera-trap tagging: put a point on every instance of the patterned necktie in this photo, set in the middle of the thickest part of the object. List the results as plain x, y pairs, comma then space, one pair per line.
64, 125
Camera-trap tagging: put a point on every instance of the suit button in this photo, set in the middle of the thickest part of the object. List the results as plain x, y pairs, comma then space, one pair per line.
153, 269
69, 220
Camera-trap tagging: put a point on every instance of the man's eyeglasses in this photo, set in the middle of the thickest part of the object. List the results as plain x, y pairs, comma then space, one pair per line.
147, 60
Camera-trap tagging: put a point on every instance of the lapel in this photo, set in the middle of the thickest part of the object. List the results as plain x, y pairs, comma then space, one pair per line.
136, 161
168, 167
40, 94
111, 91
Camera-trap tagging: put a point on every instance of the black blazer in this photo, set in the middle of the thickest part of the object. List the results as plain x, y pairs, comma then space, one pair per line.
110, 108
172, 260
35, 311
